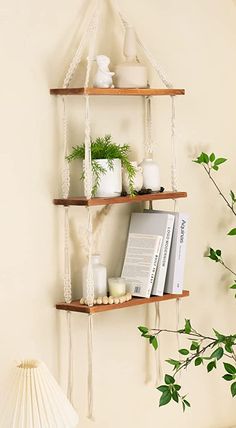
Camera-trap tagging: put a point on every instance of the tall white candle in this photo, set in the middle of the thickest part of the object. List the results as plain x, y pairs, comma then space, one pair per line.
117, 287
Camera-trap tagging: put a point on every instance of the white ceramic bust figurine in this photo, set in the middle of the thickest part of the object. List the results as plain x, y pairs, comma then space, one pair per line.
103, 77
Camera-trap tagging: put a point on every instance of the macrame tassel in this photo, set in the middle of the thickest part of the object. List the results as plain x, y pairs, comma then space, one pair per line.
67, 270
159, 372
66, 168
148, 356
90, 367
90, 282
70, 358
178, 308
173, 148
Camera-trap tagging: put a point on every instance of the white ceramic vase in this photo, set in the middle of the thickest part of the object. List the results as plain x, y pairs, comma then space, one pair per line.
138, 179
99, 278
151, 174
110, 183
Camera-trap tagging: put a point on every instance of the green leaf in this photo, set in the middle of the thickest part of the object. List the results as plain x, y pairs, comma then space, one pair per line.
205, 158
213, 255
232, 232
198, 361
163, 388
174, 363
165, 398
218, 253
211, 366
229, 368
143, 330
215, 168
233, 389
154, 342
187, 403
212, 157
232, 196
233, 286
228, 377
183, 406
228, 347
194, 346
175, 396
184, 351
177, 387
218, 353
187, 327
169, 380
219, 161
219, 336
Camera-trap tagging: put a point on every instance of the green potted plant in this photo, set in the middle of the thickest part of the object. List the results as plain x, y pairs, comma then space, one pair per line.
107, 160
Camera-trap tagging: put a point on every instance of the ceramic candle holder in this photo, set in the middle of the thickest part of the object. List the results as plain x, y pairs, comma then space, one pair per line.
116, 287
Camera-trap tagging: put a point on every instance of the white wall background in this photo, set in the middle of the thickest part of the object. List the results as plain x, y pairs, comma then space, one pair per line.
195, 42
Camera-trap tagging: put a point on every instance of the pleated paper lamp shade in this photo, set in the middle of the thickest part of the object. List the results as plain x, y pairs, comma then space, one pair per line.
36, 400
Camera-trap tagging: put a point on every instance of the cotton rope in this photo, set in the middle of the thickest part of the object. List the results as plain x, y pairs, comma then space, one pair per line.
148, 128
67, 269
90, 367
159, 373
148, 54
70, 358
66, 168
79, 52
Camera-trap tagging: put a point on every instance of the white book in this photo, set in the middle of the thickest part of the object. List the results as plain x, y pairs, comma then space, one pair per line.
141, 259
163, 224
175, 271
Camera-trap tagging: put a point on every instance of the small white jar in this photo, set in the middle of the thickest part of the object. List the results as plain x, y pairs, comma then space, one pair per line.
99, 278
151, 174
137, 180
117, 287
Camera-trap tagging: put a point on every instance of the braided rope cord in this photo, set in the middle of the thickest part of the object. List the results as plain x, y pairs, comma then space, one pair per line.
79, 52
148, 128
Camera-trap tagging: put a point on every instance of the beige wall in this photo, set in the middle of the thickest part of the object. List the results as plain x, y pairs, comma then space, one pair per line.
195, 42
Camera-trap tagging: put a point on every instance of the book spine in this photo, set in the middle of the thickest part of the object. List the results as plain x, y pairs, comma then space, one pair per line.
154, 266
159, 283
174, 283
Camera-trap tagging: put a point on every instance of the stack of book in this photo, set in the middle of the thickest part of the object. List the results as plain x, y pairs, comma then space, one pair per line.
155, 253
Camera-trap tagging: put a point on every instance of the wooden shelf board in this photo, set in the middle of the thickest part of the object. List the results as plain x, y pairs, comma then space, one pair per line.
82, 201
75, 306
116, 91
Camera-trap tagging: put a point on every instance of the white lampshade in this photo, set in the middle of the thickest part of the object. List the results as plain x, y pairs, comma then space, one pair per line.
36, 400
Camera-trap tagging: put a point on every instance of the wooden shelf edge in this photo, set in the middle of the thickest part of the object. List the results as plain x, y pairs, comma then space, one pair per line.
75, 306
117, 91
82, 201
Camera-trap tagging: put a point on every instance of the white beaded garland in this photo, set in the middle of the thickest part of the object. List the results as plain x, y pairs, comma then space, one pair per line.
105, 300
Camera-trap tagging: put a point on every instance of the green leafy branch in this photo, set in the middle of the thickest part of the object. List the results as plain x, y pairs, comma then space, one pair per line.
201, 350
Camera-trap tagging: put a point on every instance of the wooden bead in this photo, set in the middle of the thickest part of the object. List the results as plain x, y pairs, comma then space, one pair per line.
94, 301
99, 301
116, 300
111, 300
129, 296
121, 299
105, 300
82, 301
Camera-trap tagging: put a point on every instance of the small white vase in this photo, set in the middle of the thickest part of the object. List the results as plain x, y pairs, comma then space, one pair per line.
151, 174
138, 178
110, 183
99, 278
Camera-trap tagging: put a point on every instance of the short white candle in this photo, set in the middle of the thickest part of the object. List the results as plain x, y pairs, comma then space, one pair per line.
117, 287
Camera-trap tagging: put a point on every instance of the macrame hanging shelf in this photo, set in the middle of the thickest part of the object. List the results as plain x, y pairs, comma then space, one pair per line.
88, 41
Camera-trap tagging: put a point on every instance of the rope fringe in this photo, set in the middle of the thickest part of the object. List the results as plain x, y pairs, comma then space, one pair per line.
90, 367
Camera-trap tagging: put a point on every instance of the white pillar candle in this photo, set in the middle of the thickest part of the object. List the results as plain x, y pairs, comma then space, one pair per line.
117, 287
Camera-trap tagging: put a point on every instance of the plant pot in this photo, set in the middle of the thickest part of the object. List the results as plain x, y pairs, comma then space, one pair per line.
110, 184
137, 180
